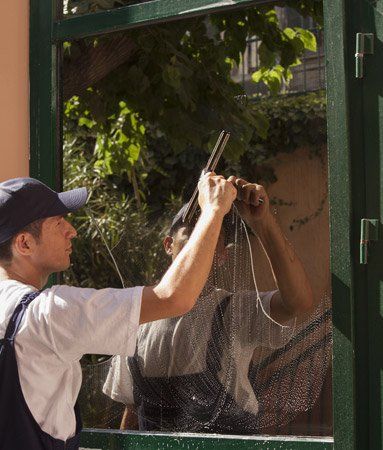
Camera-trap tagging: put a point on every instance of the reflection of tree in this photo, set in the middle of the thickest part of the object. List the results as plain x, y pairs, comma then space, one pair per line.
141, 106
94, 63
172, 72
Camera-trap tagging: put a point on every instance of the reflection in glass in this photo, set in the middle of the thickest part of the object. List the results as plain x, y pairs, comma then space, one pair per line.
139, 121
227, 366
79, 7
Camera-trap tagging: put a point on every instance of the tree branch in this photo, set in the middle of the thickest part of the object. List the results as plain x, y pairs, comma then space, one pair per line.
95, 64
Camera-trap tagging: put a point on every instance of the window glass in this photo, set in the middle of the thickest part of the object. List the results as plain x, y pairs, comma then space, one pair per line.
143, 110
79, 7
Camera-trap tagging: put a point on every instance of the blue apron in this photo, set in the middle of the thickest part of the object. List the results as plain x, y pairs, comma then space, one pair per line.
18, 428
159, 400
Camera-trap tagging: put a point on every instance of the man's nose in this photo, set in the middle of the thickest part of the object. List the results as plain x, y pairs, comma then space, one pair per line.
71, 231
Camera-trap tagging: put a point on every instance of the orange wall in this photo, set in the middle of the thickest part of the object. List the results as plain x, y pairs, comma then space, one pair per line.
14, 88
301, 181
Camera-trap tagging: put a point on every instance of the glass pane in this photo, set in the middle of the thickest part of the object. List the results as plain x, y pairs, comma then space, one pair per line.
253, 356
79, 7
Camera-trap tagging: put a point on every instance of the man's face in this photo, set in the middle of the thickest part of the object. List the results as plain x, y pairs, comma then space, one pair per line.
53, 248
180, 238
173, 245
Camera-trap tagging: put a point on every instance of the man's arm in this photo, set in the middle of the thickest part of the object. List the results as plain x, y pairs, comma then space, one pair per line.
129, 419
183, 282
295, 295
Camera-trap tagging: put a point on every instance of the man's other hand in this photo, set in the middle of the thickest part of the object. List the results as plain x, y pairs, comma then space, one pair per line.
252, 202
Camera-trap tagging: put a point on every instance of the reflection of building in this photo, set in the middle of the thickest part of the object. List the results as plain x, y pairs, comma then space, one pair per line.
308, 76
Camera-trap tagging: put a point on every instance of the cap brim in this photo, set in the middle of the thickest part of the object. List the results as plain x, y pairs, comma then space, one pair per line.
74, 199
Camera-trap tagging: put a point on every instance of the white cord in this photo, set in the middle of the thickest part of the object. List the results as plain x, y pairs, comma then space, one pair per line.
89, 212
251, 253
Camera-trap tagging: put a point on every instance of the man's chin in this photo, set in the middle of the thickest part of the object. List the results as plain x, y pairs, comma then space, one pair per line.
62, 267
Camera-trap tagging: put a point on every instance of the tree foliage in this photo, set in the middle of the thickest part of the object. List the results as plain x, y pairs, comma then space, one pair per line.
139, 134
115, 214
175, 92
295, 121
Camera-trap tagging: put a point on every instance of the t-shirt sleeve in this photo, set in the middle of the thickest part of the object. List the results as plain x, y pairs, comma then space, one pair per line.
98, 321
274, 335
258, 328
119, 383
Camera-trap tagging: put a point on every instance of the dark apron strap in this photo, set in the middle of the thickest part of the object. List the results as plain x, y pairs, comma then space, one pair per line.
17, 316
18, 428
158, 399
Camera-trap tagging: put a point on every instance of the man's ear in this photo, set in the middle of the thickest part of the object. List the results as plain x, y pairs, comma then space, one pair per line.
23, 244
168, 245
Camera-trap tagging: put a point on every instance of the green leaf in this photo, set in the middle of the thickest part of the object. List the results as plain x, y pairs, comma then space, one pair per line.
273, 82
258, 75
87, 122
171, 75
267, 58
134, 152
308, 39
290, 33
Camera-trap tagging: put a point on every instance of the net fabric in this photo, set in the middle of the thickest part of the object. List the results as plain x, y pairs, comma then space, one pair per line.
224, 367
289, 380
97, 409
190, 358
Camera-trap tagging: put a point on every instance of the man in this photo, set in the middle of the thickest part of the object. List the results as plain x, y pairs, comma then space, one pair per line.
46, 331
191, 372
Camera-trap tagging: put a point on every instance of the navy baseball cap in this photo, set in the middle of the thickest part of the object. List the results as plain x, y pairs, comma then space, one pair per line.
24, 200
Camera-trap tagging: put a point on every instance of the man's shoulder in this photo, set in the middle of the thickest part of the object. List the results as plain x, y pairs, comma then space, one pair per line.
12, 291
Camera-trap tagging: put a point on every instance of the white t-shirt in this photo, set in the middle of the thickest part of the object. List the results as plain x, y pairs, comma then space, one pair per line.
177, 346
59, 326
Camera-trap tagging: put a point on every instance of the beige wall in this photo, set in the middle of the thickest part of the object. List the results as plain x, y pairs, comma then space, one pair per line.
302, 182
14, 88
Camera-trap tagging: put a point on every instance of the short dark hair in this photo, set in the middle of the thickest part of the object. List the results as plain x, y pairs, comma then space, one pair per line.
178, 223
174, 229
33, 228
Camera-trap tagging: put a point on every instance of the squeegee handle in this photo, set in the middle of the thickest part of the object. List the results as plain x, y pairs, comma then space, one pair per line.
210, 167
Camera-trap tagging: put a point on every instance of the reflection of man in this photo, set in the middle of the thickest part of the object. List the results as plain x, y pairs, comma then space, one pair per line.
45, 332
180, 367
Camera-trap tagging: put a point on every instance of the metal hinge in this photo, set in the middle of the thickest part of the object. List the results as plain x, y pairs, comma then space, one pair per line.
364, 46
369, 231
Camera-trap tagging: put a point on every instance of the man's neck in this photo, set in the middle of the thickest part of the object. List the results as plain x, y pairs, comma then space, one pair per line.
11, 273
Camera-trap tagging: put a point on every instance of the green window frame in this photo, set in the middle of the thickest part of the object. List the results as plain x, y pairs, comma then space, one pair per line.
48, 30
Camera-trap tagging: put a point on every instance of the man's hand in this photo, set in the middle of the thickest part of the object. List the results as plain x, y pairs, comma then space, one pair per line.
216, 193
252, 211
